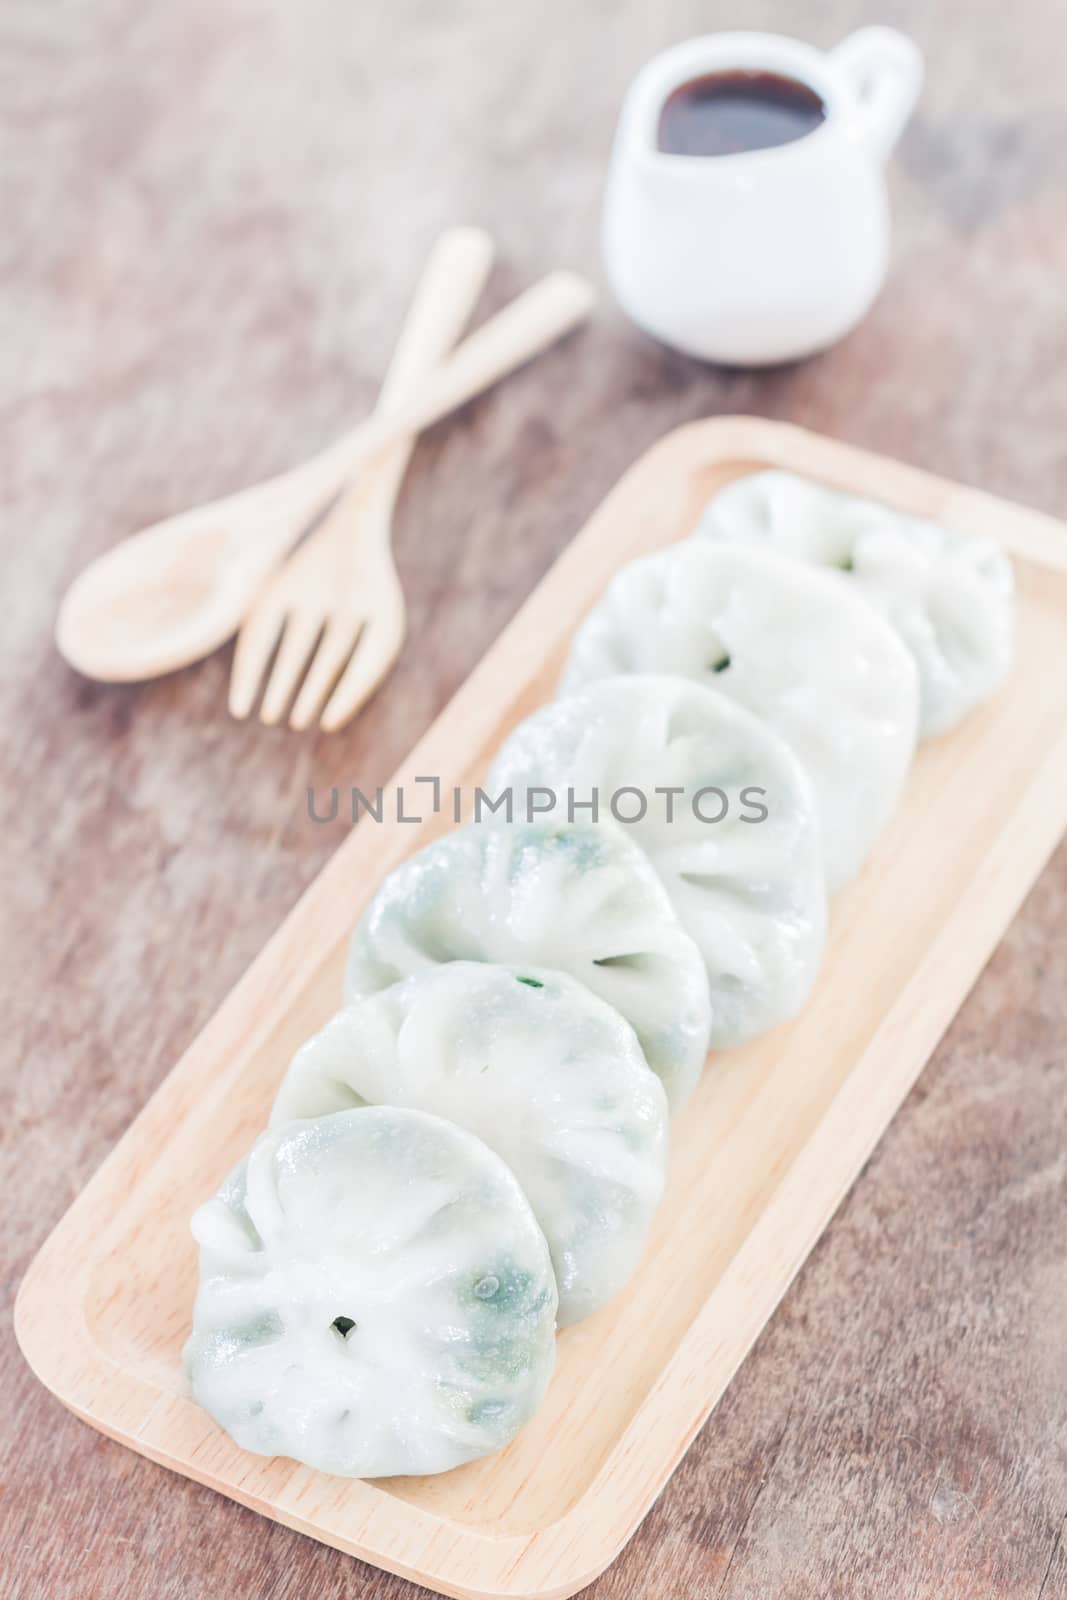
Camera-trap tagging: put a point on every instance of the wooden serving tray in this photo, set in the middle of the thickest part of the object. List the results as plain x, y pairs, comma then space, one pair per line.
761, 1156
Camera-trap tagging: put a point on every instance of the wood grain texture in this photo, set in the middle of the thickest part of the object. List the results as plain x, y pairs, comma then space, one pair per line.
213, 215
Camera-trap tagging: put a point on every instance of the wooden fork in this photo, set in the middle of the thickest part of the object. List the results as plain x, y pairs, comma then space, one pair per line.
338, 599
532, 321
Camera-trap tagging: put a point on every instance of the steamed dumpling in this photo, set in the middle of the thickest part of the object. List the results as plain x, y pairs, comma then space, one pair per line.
550, 1077
375, 1297
574, 897
748, 885
950, 595
795, 646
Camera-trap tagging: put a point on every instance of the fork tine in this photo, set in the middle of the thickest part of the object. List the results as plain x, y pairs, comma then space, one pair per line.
302, 629
377, 649
255, 646
335, 647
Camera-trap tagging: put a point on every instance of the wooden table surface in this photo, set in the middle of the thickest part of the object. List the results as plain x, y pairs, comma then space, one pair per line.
213, 214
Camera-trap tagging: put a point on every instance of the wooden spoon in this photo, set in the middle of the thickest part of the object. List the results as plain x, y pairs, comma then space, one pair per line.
179, 589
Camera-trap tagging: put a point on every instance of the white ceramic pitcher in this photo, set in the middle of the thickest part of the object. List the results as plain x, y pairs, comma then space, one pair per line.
770, 254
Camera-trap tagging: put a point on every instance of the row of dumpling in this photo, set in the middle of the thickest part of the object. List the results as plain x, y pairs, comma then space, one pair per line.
475, 1145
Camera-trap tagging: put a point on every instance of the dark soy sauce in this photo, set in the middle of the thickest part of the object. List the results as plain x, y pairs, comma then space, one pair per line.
726, 113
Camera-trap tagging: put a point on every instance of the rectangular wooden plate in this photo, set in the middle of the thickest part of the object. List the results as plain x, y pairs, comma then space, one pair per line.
760, 1158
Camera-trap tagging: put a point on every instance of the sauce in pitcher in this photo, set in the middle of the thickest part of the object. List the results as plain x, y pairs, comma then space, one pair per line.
726, 113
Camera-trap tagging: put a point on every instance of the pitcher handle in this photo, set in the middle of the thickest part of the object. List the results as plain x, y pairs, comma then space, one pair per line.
885, 69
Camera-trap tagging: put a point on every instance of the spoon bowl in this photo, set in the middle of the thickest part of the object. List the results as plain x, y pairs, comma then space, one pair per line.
180, 588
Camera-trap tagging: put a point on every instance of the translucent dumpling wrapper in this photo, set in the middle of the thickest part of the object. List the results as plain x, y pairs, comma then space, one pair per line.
574, 897
949, 595
376, 1297
796, 646
728, 821
545, 1073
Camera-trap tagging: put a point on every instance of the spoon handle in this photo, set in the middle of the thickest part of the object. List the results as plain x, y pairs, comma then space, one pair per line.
530, 323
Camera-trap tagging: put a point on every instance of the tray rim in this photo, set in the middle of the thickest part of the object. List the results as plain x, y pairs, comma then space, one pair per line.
559, 1558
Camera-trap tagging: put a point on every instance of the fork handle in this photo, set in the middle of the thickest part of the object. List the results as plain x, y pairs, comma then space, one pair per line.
445, 296
447, 292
